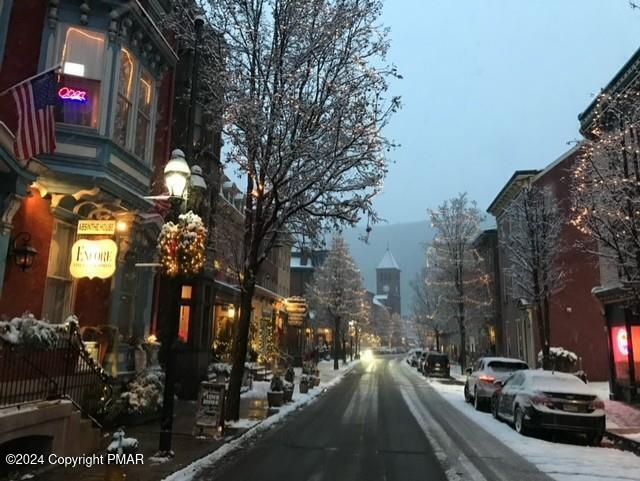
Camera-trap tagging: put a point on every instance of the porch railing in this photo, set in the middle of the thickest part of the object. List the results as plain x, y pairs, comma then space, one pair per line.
64, 371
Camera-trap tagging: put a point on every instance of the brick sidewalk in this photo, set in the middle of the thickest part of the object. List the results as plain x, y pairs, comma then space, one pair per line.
623, 419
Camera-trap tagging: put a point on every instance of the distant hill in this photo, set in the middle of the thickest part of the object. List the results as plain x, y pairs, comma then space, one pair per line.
406, 244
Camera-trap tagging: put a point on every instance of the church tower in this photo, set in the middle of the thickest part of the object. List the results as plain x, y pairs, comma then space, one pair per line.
388, 282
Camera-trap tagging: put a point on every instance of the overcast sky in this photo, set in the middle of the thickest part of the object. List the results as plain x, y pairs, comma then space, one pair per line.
492, 86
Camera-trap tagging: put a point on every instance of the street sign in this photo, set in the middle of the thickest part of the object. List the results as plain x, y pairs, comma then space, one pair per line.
96, 227
210, 413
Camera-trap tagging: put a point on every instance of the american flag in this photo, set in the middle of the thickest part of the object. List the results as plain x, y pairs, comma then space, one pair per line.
35, 101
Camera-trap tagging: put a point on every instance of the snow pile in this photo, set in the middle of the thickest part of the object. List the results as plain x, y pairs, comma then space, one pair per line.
120, 444
29, 331
144, 393
560, 353
220, 368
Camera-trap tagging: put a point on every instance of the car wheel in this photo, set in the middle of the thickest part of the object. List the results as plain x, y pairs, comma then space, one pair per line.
594, 439
477, 401
518, 421
467, 396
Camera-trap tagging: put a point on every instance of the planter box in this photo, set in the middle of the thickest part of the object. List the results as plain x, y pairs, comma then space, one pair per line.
275, 398
304, 388
288, 395
316, 381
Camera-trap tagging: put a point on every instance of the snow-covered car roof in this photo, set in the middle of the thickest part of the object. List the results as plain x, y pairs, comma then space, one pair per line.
558, 382
503, 359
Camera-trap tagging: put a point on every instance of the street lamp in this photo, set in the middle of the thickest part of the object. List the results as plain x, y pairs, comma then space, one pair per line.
176, 176
181, 181
351, 324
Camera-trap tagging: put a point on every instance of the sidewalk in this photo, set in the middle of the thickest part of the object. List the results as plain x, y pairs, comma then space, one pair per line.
623, 420
189, 449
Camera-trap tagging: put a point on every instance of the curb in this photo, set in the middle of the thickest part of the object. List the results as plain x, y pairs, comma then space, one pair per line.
623, 443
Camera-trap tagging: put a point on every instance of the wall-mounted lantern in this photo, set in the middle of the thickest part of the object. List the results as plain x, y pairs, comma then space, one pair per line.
23, 252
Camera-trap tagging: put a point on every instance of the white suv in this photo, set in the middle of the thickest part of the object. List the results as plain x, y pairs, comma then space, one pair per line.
480, 386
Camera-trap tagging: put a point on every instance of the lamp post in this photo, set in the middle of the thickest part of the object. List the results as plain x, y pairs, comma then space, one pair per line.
351, 325
176, 177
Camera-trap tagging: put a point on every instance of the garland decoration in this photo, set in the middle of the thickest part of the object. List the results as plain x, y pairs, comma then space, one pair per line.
182, 246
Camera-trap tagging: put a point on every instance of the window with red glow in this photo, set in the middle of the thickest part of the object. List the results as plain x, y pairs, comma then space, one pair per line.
82, 71
620, 343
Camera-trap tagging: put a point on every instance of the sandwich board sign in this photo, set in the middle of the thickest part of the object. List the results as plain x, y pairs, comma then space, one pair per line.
210, 413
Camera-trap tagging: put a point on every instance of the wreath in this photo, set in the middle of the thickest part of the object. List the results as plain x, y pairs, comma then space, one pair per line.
182, 246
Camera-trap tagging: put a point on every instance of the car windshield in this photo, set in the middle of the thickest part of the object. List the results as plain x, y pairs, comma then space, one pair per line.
506, 366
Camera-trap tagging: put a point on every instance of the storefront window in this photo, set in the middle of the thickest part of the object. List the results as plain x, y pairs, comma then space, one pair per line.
80, 80
59, 286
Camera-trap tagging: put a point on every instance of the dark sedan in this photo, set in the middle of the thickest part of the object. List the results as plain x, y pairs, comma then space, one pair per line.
551, 401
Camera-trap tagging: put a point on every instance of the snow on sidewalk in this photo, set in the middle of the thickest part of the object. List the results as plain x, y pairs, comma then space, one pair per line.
328, 379
562, 462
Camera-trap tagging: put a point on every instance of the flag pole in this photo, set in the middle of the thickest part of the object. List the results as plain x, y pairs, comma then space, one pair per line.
56, 67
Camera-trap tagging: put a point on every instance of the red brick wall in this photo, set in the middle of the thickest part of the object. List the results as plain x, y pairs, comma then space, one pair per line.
24, 291
22, 51
582, 329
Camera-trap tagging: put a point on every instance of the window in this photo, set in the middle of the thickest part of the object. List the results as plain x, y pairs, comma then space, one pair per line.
132, 126
82, 72
59, 284
185, 313
125, 98
145, 99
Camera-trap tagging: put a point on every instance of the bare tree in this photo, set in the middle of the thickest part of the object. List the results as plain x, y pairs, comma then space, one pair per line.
606, 185
531, 238
305, 85
337, 293
456, 267
427, 308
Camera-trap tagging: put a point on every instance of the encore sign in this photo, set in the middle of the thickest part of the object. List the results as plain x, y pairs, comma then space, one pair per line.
93, 258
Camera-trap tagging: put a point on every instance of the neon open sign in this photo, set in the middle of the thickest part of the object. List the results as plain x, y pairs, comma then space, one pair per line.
67, 93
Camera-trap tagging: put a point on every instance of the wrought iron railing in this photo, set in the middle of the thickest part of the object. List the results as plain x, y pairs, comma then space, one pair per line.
65, 370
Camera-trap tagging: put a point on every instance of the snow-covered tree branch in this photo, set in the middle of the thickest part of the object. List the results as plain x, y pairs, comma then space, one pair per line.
531, 239
336, 293
456, 268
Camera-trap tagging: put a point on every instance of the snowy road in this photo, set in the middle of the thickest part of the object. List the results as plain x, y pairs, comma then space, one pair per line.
382, 422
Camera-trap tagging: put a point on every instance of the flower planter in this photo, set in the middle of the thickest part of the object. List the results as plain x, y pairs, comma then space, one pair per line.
288, 395
316, 381
275, 398
304, 387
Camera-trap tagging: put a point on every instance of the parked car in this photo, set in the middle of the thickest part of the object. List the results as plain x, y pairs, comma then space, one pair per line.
479, 386
436, 364
414, 357
551, 401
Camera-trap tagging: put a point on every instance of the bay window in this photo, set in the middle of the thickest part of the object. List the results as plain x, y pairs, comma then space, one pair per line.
136, 97
125, 98
143, 124
79, 86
